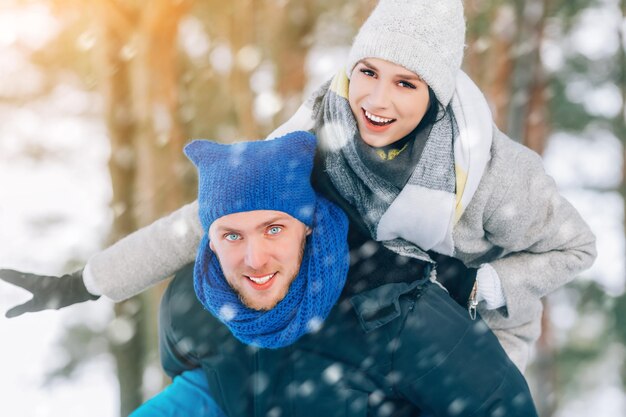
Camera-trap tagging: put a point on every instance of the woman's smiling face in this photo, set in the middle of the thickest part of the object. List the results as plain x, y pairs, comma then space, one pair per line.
387, 100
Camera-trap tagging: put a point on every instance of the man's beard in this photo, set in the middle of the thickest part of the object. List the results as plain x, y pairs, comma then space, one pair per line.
292, 278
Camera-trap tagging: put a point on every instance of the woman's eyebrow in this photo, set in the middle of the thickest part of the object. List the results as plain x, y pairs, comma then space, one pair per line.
409, 76
368, 64
404, 75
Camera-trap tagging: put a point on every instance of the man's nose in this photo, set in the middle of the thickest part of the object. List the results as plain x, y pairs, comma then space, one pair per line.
257, 253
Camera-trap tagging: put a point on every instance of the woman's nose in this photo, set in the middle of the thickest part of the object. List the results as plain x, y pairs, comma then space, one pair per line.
379, 96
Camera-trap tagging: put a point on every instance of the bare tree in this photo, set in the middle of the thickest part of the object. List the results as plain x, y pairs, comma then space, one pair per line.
139, 81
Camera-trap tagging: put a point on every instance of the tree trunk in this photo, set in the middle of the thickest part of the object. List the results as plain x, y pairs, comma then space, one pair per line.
285, 45
502, 63
139, 83
475, 59
536, 128
621, 127
121, 124
159, 137
241, 33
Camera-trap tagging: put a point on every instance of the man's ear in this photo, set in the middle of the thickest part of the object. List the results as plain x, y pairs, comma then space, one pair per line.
309, 231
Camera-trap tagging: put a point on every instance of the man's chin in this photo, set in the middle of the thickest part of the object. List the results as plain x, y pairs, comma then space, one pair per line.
261, 306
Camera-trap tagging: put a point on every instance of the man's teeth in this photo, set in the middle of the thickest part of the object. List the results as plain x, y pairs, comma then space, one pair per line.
261, 280
377, 119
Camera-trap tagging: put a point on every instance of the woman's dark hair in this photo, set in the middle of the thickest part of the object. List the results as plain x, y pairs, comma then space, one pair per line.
430, 117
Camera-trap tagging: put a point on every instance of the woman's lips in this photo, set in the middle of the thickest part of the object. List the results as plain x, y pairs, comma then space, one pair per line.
376, 123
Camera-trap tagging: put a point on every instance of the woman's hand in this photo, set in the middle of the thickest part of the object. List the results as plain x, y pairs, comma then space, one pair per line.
455, 277
49, 292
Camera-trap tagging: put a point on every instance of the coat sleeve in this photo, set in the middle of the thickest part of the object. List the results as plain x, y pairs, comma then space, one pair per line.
146, 256
543, 240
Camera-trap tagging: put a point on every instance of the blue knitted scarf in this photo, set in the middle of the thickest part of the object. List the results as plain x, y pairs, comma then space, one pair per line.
311, 295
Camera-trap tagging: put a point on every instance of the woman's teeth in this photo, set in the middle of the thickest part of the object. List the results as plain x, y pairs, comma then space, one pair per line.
263, 279
376, 119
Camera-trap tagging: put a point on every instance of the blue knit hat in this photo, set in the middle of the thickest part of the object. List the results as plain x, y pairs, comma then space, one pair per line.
270, 175
260, 175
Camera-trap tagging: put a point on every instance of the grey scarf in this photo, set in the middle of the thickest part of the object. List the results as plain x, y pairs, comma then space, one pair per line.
373, 196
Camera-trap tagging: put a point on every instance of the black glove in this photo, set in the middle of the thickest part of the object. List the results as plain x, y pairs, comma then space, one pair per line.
48, 292
455, 277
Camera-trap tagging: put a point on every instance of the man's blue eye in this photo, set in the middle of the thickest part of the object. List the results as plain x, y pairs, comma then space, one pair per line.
274, 230
231, 236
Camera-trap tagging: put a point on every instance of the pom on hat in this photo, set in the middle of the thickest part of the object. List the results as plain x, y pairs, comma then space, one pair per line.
260, 175
426, 37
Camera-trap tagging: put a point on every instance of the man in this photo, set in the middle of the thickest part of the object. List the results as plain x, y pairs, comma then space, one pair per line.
255, 268
272, 263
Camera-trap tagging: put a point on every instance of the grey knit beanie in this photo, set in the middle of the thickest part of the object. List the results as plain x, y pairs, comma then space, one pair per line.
424, 36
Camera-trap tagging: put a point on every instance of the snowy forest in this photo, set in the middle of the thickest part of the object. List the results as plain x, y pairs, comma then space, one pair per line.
98, 98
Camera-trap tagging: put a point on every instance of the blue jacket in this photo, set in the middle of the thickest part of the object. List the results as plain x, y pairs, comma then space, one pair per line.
187, 396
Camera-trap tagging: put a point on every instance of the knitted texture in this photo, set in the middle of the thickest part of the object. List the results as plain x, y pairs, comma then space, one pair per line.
424, 36
270, 175
422, 211
310, 298
246, 176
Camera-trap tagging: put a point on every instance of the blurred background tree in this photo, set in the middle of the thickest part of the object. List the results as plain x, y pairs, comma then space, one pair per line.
170, 70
